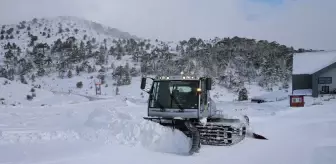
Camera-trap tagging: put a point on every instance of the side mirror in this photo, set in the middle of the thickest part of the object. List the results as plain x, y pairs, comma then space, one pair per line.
208, 83
143, 83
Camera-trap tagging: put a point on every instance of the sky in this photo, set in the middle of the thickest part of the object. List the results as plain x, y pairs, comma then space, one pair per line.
297, 23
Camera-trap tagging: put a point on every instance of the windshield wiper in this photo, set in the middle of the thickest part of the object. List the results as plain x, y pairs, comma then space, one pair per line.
177, 103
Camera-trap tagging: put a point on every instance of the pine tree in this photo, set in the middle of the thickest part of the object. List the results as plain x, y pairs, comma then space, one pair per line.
77, 70
3, 72
133, 72
69, 74
33, 77
127, 79
242, 95
23, 79
41, 72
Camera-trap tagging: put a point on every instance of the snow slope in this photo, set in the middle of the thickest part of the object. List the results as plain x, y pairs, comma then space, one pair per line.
60, 27
112, 131
108, 90
15, 93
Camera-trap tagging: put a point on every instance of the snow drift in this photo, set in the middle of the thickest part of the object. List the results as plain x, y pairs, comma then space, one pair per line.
125, 128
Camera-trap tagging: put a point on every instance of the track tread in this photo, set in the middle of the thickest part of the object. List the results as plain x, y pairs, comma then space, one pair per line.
219, 133
216, 132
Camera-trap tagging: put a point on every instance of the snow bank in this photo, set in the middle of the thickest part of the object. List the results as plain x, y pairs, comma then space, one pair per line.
124, 128
273, 96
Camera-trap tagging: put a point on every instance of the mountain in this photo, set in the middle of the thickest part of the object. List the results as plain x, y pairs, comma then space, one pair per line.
71, 46
48, 30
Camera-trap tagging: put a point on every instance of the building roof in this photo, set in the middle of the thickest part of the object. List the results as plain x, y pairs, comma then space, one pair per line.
311, 62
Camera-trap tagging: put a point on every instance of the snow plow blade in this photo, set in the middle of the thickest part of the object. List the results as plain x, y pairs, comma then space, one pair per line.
258, 136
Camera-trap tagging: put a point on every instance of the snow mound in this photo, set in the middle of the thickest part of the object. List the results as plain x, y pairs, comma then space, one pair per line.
124, 128
107, 126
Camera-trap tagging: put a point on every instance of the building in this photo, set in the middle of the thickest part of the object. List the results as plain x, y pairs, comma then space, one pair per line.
314, 73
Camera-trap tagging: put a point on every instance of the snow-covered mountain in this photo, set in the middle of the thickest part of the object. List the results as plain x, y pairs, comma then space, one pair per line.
48, 30
65, 45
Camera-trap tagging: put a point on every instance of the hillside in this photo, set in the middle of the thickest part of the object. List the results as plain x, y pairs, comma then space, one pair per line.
49, 30
17, 94
68, 46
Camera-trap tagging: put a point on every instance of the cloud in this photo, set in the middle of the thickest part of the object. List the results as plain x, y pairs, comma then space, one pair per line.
307, 23
299, 23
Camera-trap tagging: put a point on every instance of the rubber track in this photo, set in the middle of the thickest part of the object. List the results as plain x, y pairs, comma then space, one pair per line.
220, 135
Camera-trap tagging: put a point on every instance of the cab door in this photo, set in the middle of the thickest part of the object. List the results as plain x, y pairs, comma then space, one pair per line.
203, 99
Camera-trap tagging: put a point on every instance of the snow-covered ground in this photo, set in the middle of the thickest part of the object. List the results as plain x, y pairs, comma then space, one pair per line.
73, 129
15, 94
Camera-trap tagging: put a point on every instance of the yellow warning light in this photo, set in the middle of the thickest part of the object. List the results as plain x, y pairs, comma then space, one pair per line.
198, 90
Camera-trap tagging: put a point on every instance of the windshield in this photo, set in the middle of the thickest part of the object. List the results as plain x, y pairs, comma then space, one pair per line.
174, 94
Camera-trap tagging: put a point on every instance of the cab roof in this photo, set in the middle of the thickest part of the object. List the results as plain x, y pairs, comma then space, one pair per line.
180, 77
